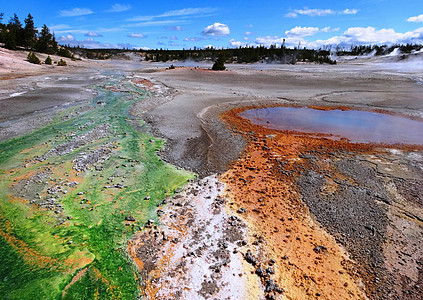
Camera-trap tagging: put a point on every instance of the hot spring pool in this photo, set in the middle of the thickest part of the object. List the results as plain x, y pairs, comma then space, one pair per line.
357, 126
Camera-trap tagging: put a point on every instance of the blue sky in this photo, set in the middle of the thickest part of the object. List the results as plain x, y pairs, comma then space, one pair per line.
185, 24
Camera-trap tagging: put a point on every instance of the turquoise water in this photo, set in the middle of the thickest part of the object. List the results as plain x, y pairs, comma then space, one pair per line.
357, 126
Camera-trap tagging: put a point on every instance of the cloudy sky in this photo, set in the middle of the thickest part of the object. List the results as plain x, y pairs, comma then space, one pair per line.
185, 24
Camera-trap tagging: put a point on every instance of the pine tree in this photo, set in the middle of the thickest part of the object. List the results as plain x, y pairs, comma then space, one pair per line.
9, 40
45, 43
15, 29
219, 64
2, 28
63, 51
62, 63
30, 33
48, 60
33, 59
54, 45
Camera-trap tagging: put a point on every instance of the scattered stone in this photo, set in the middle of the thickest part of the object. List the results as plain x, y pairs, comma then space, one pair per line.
149, 223
320, 249
250, 258
130, 218
260, 272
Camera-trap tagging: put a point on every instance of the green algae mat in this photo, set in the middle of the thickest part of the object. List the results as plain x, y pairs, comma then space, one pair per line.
71, 195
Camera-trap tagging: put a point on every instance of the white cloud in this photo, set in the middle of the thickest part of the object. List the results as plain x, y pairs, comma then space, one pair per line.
416, 19
249, 25
370, 36
62, 28
59, 27
93, 34
136, 35
217, 29
173, 38
299, 31
75, 12
234, 43
141, 18
269, 40
66, 39
352, 36
291, 15
142, 48
176, 13
329, 29
154, 23
174, 28
188, 12
317, 12
193, 39
349, 11
120, 7
90, 43
248, 33
80, 31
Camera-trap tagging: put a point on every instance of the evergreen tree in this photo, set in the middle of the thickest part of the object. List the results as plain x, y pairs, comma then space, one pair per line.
54, 44
48, 60
64, 51
219, 64
15, 29
9, 40
30, 33
2, 28
45, 42
33, 59
62, 63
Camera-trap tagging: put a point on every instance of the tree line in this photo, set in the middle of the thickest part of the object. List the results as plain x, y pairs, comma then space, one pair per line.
378, 50
248, 54
15, 35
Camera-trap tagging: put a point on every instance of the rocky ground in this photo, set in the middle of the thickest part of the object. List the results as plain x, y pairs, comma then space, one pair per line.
355, 192
273, 215
339, 221
199, 249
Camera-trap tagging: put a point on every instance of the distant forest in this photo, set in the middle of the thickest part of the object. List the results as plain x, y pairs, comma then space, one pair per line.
244, 55
252, 54
15, 35
378, 50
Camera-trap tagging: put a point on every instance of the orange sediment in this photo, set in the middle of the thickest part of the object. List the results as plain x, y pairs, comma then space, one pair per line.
28, 254
76, 278
309, 262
